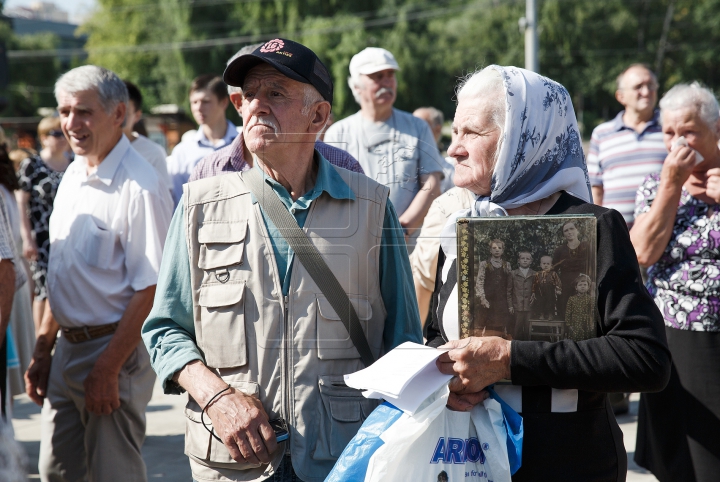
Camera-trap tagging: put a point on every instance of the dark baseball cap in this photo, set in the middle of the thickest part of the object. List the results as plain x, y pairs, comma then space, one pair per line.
292, 59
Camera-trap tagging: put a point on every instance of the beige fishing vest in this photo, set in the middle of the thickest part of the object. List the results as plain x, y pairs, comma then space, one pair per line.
291, 352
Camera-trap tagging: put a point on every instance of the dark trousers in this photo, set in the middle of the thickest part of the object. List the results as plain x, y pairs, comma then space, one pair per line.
545, 302
522, 326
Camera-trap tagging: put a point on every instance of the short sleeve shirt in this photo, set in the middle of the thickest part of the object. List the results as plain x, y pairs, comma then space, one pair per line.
7, 245
394, 153
619, 158
155, 155
107, 233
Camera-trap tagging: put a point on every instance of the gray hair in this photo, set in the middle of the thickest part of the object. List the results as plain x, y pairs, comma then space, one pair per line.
693, 96
435, 115
243, 51
111, 90
488, 84
355, 84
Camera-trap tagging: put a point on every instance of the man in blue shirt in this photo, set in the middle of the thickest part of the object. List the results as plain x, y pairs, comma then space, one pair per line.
240, 324
208, 102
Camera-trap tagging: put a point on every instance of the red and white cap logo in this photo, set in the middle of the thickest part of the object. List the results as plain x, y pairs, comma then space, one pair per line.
272, 46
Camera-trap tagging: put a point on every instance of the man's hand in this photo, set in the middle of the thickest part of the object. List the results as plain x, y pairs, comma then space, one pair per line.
102, 394
678, 166
485, 303
511, 310
37, 374
713, 184
476, 363
242, 424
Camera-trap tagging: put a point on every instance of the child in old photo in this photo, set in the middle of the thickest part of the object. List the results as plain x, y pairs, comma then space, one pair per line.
579, 313
522, 278
494, 290
545, 290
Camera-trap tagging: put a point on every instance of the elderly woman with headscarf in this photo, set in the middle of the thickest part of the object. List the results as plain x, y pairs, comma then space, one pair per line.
677, 234
516, 142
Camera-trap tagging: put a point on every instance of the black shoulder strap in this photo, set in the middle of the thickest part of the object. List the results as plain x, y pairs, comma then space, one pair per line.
311, 259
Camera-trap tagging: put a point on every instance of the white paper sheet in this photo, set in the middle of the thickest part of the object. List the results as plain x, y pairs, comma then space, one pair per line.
405, 376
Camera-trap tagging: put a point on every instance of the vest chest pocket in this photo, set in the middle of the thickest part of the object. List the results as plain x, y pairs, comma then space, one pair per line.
221, 244
342, 410
333, 339
222, 314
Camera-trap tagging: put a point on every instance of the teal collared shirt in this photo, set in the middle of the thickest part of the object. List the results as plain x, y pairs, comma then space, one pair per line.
169, 331
329, 181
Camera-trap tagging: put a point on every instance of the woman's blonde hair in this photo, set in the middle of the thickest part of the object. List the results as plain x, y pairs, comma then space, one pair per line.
48, 124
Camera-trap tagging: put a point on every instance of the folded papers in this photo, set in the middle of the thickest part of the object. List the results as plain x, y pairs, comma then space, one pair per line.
405, 376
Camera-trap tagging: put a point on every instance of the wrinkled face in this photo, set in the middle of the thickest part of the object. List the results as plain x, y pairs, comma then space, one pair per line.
496, 249
687, 122
379, 88
638, 90
474, 141
546, 263
582, 287
272, 109
90, 130
570, 232
206, 108
524, 260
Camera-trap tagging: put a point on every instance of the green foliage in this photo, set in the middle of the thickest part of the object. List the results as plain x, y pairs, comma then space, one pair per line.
163, 45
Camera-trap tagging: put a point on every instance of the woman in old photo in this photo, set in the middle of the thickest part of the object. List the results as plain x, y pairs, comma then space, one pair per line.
517, 147
570, 260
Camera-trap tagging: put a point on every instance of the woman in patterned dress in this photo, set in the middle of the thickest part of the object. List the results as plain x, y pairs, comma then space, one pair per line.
579, 313
677, 235
40, 177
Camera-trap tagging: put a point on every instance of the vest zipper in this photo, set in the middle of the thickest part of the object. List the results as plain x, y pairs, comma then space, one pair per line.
286, 374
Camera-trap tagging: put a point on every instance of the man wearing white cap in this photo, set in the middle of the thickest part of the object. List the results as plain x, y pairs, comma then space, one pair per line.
393, 147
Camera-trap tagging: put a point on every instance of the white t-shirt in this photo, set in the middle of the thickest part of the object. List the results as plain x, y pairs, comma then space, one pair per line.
154, 154
395, 153
107, 233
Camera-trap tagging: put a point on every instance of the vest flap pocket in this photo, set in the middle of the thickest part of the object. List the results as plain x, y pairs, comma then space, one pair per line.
221, 313
233, 232
221, 244
333, 339
342, 410
363, 308
224, 294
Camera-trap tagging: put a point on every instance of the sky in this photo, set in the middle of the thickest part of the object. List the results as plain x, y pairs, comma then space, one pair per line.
77, 9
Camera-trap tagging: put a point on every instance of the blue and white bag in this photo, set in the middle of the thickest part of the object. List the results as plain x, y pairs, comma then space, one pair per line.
483, 445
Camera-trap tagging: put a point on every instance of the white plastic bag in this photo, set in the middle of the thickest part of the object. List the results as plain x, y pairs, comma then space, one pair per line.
438, 444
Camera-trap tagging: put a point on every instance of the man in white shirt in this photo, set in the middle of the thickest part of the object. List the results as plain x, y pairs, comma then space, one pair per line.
107, 232
149, 150
208, 102
393, 147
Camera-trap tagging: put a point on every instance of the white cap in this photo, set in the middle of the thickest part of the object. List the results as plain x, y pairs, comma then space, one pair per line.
371, 60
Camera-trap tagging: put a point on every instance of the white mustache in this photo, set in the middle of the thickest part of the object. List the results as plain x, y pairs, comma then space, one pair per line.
383, 90
256, 121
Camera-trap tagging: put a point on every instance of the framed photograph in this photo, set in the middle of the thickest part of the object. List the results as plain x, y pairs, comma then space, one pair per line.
527, 277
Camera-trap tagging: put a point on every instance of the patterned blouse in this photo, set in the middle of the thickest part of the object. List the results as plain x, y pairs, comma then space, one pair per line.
579, 317
686, 280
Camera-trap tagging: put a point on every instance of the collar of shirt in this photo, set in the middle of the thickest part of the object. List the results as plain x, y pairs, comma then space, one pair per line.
619, 124
105, 172
328, 180
230, 134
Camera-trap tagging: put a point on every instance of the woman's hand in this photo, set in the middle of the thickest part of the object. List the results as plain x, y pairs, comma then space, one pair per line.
476, 363
712, 188
30, 250
678, 166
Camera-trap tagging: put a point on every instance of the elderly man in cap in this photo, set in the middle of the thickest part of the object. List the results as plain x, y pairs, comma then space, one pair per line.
236, 157
393, 147
260, 333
